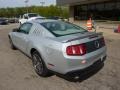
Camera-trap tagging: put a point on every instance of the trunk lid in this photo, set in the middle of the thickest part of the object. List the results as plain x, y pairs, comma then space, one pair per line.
93, 41
79, 36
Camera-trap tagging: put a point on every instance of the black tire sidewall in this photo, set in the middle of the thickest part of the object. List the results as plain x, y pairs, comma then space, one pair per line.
45, 70
11, 44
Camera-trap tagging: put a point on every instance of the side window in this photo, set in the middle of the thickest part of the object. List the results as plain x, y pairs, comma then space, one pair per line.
25, 17
25, 28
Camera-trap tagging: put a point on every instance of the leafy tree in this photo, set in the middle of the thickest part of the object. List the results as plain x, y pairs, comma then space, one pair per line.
45, 11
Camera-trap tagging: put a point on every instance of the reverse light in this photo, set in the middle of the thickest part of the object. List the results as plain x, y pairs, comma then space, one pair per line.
83, 61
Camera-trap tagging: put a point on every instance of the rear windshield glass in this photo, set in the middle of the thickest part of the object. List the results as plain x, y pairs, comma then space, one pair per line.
59, 28
2, 19
32, 15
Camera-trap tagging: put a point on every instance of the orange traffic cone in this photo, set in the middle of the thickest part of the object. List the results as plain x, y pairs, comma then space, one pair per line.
89, 24
117, 30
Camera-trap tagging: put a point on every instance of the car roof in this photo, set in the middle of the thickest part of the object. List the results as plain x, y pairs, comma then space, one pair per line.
43, 21
37, 17
30, 13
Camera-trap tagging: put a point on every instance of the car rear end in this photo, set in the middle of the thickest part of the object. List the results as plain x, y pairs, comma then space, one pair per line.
74, 48
3, 22
84, 52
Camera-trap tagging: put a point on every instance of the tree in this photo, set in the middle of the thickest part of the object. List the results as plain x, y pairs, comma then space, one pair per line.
45, 11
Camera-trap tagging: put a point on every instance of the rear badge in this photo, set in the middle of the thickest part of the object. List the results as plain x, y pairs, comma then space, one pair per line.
97, 45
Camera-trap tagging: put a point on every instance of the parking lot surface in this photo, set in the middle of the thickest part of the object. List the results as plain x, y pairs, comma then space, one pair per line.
16, 71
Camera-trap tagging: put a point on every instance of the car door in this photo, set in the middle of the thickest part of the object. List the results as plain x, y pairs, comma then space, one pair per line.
21, 37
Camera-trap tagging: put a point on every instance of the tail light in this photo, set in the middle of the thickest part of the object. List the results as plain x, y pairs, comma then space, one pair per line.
76, 50
103, 41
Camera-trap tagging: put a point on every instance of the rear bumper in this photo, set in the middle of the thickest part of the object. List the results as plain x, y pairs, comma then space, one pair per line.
3, 23
93, 67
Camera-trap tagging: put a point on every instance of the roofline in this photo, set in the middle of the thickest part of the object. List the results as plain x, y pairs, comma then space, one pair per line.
81, 2
42, 21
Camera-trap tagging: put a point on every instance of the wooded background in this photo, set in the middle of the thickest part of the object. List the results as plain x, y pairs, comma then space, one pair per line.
46, 11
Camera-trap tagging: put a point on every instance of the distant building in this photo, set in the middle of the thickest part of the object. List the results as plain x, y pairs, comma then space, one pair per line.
99, 9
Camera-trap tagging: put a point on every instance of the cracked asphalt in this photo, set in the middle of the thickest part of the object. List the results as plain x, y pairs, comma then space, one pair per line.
16, 71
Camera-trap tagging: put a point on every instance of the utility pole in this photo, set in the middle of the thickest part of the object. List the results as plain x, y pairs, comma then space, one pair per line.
42, 3
26, 3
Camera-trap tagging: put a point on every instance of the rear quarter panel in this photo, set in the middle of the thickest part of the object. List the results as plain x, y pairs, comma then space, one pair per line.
51, 52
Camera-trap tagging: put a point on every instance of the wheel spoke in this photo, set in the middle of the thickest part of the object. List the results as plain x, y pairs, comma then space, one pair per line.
37, 63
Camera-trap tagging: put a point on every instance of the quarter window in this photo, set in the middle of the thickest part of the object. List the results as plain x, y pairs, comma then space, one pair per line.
25, 28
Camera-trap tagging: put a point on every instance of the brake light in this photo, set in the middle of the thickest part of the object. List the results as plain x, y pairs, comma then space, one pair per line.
103, 41
76, 50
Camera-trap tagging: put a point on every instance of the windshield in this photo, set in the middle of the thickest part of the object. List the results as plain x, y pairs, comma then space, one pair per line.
59, 28
32, 15
42, 18
2, 19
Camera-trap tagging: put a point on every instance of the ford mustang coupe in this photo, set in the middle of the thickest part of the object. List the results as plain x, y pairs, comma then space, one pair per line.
58, 46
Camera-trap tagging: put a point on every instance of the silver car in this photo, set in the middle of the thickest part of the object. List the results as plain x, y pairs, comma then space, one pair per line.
58, 46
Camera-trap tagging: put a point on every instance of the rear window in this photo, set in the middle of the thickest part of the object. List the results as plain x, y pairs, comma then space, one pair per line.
2, 20
60, 28
32, 15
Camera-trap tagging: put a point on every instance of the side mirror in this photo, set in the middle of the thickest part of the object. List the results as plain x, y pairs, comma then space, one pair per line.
15, 30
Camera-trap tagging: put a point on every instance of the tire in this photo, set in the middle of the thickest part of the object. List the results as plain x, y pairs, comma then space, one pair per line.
11, 44
20, 23
39, 65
